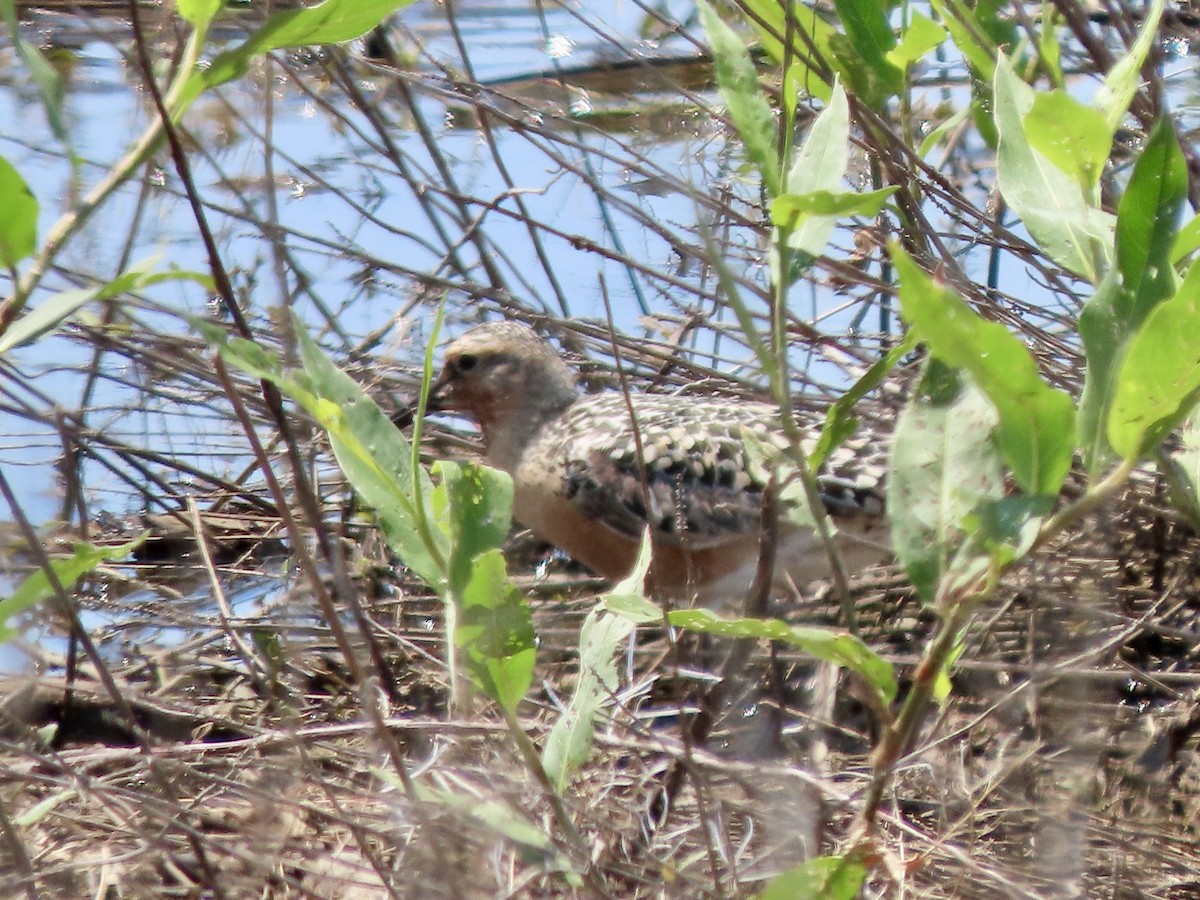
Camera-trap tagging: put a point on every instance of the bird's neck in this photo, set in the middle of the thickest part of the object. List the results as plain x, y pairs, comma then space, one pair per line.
508, 433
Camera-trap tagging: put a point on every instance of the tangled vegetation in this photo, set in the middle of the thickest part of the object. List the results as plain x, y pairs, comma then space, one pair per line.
438, 707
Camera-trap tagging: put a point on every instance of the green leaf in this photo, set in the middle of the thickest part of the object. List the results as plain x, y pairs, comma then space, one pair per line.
601, 640
39, 811
1072, 136
993, 19
920, 37
943, 687
634, 607
837, 647
47, 316
818, 168
372, 453
1053, 206
474, 506
1124, 79
1105, 336
839, 420
1036, 435
48, 82
867, 26
1008, 528
821, 878
1182, 470
198, 13
492, 626
1147, 220
54, 312
495, 631
502, 819
1186, 241
865, 82
950, 125
788, 208
331, 22
943, 467
805, 72
36, 587
1049, 48
1160, 376
18, 217
370, 450
744, 98
570, 740
248, 356
969, 35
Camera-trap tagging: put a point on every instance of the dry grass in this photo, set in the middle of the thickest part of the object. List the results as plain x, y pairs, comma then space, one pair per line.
234, 753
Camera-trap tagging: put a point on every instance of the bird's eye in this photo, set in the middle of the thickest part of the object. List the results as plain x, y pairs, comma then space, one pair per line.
466, 362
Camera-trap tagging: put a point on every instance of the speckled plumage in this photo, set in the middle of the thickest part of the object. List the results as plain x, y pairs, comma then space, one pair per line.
578, 482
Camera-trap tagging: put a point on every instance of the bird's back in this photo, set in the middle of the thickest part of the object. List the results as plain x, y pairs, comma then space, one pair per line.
694, 470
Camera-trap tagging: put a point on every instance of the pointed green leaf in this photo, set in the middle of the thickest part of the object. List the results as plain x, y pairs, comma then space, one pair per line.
1124, 79
821, 878
55, 311
1072, 136
787, 209
373, 454
198, 12
1052, 204
1008, 528
330, 22
839, 420
495, 632
744, 98
1160, 377
920, 37
943, 467
601, 639
36, 587
370, 450
827, 644
18, 217
1186, 241
1147, 222
948, 127
1105, 336
1182, 470
49, 84
1049, 48
473, 504
1036, 435
867, 26
818, 168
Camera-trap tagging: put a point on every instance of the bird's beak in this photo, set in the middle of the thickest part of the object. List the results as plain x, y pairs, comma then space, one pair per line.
439, 397
437, 401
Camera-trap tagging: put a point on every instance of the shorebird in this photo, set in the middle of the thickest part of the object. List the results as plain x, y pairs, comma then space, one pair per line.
579, 484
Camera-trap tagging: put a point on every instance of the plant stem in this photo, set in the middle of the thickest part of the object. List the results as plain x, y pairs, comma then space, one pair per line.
898, 736
72, 221
961, 602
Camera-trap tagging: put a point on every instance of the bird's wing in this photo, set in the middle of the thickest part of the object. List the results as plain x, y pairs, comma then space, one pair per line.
696, 484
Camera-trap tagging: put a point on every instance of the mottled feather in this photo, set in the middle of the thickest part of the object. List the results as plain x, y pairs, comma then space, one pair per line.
587, 480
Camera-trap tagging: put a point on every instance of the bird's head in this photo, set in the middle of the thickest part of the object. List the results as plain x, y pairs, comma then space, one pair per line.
503, 372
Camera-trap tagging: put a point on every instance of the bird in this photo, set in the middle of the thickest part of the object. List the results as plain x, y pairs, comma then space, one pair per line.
591, 472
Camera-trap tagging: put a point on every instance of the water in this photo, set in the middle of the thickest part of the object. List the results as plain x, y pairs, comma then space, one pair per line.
364, 230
